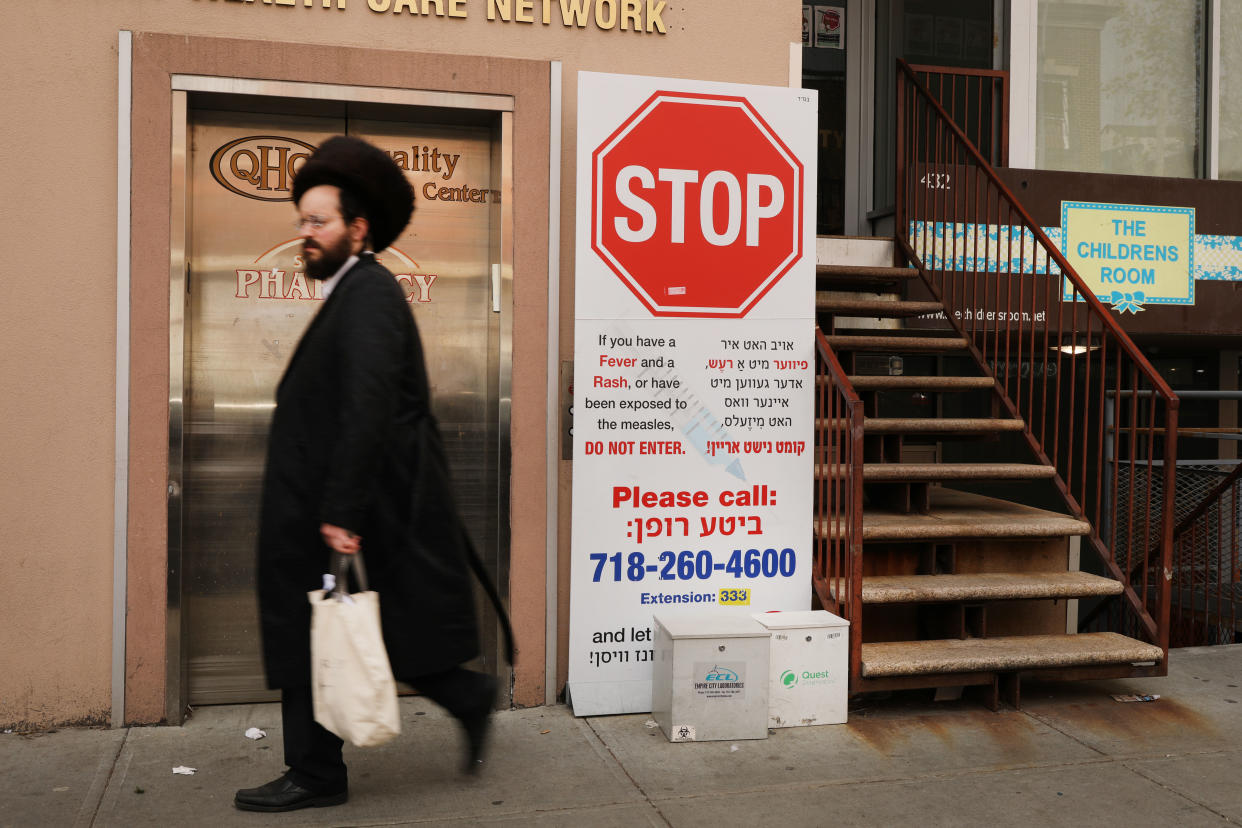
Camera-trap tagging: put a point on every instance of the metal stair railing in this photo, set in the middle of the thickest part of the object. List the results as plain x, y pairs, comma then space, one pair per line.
1058, 355
837, 573
1207, 573
978, 101
1207, 544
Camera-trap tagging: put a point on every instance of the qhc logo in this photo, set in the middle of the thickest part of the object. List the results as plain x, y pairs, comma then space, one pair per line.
261, 167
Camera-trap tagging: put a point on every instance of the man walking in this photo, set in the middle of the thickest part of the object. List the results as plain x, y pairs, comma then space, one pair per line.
355, 462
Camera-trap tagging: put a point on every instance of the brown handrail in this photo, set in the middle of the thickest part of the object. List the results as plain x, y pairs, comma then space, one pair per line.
998, 90
1093, 302
837, 571
1114, 399
932, 69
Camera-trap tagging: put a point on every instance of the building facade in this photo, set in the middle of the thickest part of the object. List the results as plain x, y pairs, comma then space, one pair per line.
155, 292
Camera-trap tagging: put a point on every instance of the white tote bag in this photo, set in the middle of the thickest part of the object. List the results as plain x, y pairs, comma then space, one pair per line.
353, 690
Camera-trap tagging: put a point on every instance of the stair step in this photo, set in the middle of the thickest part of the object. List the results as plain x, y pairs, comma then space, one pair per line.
888, 308
863, 251
932, 472
890, 342
1018, 652
939, 472
958, 515
838, 276
929, 425
984, 586
914, 383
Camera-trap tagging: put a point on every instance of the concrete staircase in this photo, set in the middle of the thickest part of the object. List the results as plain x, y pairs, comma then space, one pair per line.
958, 588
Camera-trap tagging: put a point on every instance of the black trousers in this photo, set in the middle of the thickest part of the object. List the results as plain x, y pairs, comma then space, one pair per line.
313, 753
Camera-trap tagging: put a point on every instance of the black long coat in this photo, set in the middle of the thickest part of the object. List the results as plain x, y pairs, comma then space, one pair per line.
353, 443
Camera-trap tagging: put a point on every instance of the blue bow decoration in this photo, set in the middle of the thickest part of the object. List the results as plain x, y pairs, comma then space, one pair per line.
1132, 302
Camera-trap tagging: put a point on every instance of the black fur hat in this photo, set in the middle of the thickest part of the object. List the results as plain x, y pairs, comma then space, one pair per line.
370, 175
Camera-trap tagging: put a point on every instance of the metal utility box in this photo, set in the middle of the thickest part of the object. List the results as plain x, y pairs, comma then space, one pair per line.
810, 671
710, 678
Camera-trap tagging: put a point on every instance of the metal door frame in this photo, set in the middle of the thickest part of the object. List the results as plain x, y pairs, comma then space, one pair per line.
859, 115
176, 686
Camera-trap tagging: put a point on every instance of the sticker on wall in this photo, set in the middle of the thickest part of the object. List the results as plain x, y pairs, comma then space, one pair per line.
829, 27
807, 24
1131, 255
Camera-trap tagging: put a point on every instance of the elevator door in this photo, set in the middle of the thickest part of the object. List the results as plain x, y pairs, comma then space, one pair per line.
247, 304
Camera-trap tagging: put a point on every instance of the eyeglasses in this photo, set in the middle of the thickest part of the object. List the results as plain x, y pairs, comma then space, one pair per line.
314, 222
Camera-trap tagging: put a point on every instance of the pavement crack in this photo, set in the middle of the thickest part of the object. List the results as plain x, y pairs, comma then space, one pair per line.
1067, 734
573, 815
89, 812
862, 781
606, 748
1178, 793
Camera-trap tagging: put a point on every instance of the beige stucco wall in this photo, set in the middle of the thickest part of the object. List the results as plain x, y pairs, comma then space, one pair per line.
58, 311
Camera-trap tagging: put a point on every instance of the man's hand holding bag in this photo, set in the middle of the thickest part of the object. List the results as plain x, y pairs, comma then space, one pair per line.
354, 693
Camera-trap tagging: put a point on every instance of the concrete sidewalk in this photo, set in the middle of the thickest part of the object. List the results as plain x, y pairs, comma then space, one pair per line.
1071, 756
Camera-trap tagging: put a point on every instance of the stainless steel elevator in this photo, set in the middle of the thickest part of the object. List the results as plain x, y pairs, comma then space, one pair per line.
242, 301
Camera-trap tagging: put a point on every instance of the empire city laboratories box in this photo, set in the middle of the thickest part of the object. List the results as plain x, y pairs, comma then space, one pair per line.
809, 667
710, 677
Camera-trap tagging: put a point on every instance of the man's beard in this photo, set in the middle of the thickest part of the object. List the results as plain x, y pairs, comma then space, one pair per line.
330, 260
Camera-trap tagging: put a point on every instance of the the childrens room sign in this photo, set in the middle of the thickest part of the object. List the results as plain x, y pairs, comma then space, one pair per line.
1131, 255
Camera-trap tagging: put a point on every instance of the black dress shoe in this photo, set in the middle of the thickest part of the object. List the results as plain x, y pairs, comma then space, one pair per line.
284, 794
478, 725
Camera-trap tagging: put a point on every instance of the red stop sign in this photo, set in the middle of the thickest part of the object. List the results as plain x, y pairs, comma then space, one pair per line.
696, 205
